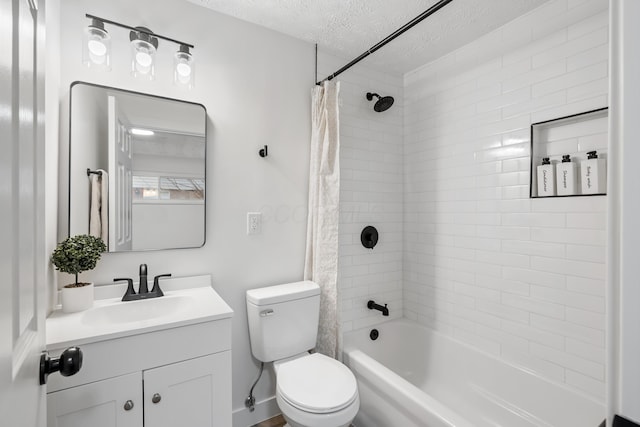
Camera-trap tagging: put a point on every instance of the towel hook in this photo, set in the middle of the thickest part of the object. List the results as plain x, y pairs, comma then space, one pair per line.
90, 172
263, 152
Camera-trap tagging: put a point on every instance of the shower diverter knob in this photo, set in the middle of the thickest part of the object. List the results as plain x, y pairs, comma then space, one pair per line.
369, 237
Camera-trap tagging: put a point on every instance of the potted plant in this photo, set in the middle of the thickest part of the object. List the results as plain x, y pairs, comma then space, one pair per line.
75, 255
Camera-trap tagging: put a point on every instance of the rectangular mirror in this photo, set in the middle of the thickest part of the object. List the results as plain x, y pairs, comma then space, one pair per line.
136, 169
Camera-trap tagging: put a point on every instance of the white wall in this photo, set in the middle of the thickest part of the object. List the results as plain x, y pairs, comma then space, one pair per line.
370, 192
520, 278
255, 84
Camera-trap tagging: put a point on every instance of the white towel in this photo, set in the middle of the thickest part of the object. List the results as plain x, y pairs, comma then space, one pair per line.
99, 206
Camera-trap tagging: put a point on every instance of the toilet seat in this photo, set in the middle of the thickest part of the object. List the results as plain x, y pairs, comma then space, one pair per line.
316, 383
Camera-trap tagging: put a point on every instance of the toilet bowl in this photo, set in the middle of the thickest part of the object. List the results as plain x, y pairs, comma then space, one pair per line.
314, 390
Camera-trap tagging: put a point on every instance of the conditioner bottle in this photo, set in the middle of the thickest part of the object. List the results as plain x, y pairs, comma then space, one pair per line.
546, 179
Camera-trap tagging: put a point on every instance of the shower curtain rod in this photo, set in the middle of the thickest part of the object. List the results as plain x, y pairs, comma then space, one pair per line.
433, 9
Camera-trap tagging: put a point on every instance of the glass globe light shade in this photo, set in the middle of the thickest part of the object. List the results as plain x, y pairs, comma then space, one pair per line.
96, 50
143, 59
183, 67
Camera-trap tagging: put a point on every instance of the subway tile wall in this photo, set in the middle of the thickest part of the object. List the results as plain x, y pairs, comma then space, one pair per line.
520, 278
371, 193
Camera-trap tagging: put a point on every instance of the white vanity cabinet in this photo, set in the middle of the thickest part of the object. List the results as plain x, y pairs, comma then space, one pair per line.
141, 374
99, 404
191, 393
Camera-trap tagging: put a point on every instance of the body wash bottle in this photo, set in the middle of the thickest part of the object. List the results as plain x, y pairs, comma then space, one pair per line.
594, 174
566, 176
546, 179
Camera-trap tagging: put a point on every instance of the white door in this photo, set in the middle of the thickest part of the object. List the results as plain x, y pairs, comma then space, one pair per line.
194, 393
23, 259
116, 402
120, 180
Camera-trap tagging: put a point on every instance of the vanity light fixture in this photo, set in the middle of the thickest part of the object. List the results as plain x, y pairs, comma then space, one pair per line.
143, 53
144, 46
183, 67
96, 50
142, 132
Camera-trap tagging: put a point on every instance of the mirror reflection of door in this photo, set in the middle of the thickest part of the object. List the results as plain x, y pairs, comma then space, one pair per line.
120, 179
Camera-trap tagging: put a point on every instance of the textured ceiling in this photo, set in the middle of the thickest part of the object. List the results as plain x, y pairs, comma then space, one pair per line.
347, 28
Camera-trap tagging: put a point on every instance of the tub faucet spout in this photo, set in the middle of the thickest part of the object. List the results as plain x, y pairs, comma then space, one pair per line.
371, 305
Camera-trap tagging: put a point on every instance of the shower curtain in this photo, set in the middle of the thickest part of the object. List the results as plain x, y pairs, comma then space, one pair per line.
321, 261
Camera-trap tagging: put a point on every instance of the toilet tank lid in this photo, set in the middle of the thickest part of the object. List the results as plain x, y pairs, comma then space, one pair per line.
282, 293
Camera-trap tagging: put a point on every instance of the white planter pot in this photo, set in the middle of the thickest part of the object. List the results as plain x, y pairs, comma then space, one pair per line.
77, 299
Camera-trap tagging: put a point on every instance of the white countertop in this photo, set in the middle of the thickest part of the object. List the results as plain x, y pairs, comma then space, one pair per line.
186, 301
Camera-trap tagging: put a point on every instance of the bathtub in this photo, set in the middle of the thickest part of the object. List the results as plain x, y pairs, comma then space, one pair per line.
413, 376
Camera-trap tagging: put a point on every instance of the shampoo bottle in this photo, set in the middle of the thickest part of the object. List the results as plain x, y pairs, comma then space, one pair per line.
594, 174
566, 177
546, 179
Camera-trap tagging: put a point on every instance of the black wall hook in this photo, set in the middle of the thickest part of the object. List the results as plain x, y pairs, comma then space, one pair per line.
263, 152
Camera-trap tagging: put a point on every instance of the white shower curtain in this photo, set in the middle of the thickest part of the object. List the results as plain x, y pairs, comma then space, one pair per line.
321, 262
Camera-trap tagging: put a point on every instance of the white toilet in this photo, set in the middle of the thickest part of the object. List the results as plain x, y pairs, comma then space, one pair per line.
312, 390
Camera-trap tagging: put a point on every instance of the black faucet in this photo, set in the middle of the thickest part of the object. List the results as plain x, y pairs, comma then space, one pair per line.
371, 305
143, 288
156, 291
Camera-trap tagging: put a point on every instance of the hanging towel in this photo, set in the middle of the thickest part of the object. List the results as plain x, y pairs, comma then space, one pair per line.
99, 206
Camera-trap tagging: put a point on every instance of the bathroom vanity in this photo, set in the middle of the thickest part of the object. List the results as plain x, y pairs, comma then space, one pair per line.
159, 362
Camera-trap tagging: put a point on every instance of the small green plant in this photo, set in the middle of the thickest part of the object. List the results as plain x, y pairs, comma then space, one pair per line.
77, 254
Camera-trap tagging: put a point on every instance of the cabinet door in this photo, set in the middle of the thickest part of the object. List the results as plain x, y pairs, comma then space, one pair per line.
194, 393
100, 404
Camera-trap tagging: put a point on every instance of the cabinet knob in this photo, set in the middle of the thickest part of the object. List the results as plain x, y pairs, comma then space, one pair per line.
156, 398
128, 405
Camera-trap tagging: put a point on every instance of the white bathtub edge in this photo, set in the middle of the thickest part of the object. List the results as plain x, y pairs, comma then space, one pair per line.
389, 383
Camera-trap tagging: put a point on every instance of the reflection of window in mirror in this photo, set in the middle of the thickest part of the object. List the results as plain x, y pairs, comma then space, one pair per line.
167, 188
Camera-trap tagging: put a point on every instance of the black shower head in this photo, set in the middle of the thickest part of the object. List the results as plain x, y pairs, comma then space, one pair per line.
382, 104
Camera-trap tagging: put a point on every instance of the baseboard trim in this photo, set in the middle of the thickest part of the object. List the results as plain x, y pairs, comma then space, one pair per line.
264, 410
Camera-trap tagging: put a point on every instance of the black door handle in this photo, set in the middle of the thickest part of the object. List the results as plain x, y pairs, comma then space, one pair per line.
69, 363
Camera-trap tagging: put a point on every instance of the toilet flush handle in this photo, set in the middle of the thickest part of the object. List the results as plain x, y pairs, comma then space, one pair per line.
267, 312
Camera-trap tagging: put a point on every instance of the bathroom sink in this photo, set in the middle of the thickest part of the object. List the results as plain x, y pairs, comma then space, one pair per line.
137, 311
186, 301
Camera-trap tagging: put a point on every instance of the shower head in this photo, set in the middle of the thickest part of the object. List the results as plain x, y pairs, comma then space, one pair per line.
382, 104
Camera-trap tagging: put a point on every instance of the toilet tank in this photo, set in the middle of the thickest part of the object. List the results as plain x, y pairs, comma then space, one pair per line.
283, 319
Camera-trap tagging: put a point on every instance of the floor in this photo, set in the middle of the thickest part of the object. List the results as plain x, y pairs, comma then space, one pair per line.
277, 421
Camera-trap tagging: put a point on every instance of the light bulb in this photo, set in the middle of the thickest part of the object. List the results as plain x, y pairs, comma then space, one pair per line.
97, 47
143, 59
183, 69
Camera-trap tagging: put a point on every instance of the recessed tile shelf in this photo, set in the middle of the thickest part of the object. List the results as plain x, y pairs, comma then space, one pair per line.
574, 135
